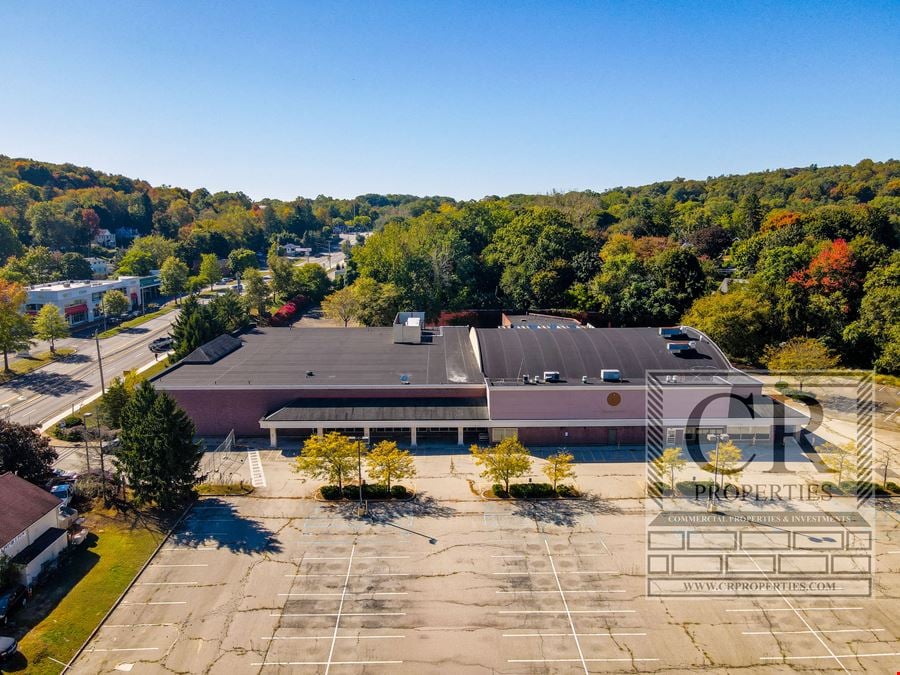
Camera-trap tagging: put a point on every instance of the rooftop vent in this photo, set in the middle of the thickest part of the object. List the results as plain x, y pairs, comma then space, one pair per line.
551, 376
584, 379
678, 347
610, 375
408, 328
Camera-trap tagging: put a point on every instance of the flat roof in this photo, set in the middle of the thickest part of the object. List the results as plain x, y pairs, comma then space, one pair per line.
534, 320
508, 354
381, 409
336, 357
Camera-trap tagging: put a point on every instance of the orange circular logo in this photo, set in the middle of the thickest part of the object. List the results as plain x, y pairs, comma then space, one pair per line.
614, 399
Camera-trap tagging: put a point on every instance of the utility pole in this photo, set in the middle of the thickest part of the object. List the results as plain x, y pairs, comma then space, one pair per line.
87, 450
100, 363
102, 466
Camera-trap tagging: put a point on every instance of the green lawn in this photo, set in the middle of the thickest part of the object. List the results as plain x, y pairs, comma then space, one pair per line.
64, 611
136, 322
26, 364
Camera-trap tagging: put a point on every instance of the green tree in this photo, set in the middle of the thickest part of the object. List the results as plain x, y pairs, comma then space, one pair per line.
799, 356
241, 260
210, 272
331, 458
173, 277
502, 462
378, 303
113, 402
15, 329
157, 450
559, 467
725, 459
841, 459
114, 303
669, 462
50, 325
136, 262
75, 266
386, 462
739, 322
25, 452
283, 282
341, 305
229, 311
195, 326
312, 281
157, 247
256, 291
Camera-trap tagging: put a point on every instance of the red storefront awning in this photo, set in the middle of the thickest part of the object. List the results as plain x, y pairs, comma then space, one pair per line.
75, 309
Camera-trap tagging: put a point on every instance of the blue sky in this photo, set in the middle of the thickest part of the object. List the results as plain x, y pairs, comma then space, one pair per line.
463, 99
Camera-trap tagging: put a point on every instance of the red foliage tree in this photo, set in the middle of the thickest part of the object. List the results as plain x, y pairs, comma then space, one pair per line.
832, 270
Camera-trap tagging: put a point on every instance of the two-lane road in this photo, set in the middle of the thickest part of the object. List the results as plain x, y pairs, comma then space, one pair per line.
58, 386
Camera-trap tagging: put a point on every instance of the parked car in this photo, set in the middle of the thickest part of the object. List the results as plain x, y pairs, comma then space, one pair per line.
8, 647
63, 492
67, 475
14, 597
161, 345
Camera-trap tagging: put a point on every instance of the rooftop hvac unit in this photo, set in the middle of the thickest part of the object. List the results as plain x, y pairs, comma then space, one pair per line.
551, 376
676, 347
537, 379
584, 379
525, 379
670, 331
610, 375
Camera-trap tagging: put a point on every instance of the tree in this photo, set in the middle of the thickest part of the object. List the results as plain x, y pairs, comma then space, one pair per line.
25, 452
799, 356
173, 277
342, 305
502, 462
113, 402
240, 260
75, 266
114, 303
15, 329
210, 272
311, 280
195, 326
738, 321
559, 467
840, 458
50, 325
157, 451
136, 262
282, 277
229, 311
670, 461
725, 459
386, 462
378, 303
331, 457
256, 291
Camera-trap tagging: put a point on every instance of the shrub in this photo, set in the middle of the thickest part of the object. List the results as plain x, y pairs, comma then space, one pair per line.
330, 492
567, 491
370, 491
498, 491
691, 488
831, 488
893, 487
289, 310
399, 492
71, 421
531, 490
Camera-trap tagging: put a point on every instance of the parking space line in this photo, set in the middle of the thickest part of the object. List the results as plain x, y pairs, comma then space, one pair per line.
583, 661
339, 637
167, 583
373, 574
806, 632
525, 590
568, 613
126, 649
171, 602
531, 574
327, 664
363, 557
826, 656
191, 549
558, 555
337, 622
190, 565
135, 625
796, 609
335, 595
543, 635
340, 614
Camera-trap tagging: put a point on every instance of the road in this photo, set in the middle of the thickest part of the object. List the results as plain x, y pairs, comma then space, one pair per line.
57, 387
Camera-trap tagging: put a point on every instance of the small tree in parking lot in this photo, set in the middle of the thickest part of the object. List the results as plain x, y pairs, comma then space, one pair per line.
386, 462
559, 467
502, 462
670, 461
331, 457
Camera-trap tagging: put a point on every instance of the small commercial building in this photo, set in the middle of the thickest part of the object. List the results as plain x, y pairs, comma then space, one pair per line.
30, 532
79, 301
548, 383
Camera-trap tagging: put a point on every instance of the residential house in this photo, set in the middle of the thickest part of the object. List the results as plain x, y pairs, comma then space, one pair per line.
105, 238
30, 529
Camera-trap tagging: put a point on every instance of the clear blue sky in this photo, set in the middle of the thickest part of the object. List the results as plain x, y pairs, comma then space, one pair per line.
463, 99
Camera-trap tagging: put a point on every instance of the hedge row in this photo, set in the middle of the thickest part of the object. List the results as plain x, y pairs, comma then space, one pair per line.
333, 492
533, 491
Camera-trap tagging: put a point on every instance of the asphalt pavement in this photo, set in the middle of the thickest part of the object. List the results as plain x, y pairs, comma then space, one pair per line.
59, 386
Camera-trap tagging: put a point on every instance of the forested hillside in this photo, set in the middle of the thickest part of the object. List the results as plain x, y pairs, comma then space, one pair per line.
815, 249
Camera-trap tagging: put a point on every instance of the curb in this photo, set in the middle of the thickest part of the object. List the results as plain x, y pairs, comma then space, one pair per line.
131, 583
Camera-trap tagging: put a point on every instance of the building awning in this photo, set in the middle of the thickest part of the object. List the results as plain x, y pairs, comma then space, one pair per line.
76, 309
324, 410
38, 546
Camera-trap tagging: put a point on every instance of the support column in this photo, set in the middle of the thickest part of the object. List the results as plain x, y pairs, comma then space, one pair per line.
367, 433
459, 436
412, 436
320, 431
273, 437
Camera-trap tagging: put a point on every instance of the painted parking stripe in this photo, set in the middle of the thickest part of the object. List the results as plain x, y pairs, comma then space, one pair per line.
339, 637
126, 649
173, 602
325, 663
135, 625
797, 609
827, 656
372, 574
620, 660
337, 595
543, 635
167, 583
808, 632
362, 557
563, 611
525, 590
190, 565
340, 614
561, 573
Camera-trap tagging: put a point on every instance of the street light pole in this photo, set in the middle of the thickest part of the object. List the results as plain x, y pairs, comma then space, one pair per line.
717, 437
87, 451
359, 440
102, 466
100, 363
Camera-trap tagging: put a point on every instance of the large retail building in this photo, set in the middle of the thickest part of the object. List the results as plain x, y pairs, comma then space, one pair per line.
549, 383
